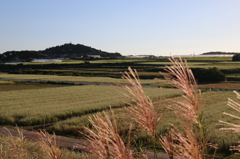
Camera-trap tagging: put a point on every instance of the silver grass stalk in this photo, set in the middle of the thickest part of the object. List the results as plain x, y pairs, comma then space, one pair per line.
230, 126
182, 78
48, 143
104, 140
141, 110
191, 143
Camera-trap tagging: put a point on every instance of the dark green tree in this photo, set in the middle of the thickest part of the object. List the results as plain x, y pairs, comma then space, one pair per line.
236, 57
212, 74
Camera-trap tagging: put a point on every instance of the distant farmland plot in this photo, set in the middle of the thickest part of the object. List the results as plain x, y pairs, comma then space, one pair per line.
39, 106
192, 64
5, 82
209, 58
73, 78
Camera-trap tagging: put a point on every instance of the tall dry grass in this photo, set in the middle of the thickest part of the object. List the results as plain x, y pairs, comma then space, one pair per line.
141, 110
17, 146
42, 146
181, 77
48, 143
191, 143
103, 139
228, 126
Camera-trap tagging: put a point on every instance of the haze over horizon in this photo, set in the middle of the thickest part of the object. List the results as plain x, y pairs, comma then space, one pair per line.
134, 27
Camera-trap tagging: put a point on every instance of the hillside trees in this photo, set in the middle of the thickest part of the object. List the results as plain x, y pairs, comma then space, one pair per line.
62, 51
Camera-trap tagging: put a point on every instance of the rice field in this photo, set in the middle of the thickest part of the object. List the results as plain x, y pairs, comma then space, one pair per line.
214, 103
13, 86
6, 82
219, 65
74, 78
40, 106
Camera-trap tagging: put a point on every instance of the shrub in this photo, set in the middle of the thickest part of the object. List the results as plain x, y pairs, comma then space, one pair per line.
212, 74
236, 57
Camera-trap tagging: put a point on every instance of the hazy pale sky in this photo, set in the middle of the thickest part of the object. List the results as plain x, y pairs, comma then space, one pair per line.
157, 27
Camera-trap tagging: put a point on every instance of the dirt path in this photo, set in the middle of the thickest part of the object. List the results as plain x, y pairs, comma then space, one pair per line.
66, 142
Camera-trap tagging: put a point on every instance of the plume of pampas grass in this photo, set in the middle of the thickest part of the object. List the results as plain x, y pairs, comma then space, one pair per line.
104, 140
17, 146
167, 143
181, 77
230, 126
141, 109
49, 146
193, 143
183, 146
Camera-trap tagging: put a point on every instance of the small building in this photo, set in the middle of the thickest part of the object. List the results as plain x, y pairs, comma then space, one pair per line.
94, 56
140, 56
47, 60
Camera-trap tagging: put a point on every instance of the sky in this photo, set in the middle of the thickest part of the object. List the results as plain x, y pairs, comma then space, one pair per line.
130, 27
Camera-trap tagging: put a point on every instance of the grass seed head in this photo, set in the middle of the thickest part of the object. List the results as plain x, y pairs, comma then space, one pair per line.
141, 110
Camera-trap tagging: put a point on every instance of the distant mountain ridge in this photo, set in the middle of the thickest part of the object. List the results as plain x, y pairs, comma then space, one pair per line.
67, 50
219, 52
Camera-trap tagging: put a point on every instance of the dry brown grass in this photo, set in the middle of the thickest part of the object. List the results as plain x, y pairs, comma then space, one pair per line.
48, 143
191, 143
17, 146
182, 78
228, 126
42, 146
141, 110
104, 141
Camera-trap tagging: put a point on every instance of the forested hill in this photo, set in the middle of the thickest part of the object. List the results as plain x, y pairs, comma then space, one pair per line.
220, 53
63, 51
